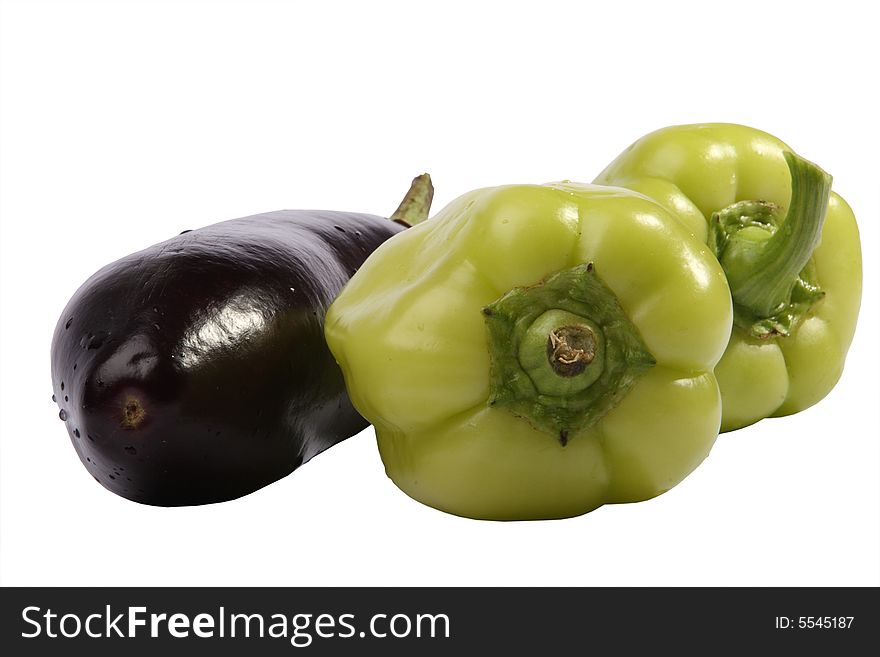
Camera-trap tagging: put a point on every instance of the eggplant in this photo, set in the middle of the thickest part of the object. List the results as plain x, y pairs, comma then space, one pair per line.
196, 371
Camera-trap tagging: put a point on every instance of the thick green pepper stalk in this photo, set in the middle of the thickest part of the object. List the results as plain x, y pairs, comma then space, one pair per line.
788, 245
765, 256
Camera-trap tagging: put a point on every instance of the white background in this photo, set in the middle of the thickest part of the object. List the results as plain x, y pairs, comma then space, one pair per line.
124, 123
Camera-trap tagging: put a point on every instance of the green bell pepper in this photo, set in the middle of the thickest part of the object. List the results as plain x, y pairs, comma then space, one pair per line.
788, 245
537, 351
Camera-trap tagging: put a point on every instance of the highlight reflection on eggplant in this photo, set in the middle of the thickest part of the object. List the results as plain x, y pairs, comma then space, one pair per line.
196, 371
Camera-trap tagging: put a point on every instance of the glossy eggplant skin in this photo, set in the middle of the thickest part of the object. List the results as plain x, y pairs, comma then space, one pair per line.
195, 371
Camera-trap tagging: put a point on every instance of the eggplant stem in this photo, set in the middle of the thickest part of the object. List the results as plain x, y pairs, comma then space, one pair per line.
416, 205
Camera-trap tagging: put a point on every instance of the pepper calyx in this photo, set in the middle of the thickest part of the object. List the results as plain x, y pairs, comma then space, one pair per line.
563, 352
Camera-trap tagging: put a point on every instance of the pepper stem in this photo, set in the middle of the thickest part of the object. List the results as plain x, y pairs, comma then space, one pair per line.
563, 353
570, 349
763, 267
416, 205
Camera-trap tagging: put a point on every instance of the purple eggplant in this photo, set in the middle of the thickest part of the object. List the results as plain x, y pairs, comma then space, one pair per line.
195, 371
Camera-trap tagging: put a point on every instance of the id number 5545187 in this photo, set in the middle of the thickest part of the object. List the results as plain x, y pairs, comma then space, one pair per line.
814, 622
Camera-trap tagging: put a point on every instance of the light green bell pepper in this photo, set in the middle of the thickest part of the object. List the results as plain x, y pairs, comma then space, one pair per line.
789, 246
537, 351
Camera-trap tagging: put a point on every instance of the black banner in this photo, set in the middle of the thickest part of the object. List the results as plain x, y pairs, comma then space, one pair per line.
279, 621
